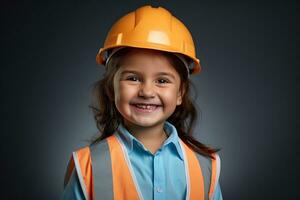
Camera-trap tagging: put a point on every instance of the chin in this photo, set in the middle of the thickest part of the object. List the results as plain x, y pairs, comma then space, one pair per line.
145, 123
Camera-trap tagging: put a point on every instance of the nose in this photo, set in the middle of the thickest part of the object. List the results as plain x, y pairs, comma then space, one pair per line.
146, 90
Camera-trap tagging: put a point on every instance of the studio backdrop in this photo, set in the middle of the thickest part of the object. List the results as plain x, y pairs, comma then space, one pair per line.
247, 93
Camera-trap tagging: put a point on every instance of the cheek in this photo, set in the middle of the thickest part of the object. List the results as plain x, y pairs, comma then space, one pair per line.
119, 99
170, 95
124, 93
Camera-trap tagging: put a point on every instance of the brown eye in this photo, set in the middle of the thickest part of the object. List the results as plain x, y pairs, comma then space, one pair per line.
163, 81
133, 78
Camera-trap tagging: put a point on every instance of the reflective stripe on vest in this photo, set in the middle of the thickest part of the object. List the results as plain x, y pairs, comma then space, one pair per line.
105, 172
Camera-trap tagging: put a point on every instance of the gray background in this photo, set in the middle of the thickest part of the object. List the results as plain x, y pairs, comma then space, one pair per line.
247, 92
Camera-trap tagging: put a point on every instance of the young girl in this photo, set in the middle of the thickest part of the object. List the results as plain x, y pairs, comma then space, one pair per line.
144, 112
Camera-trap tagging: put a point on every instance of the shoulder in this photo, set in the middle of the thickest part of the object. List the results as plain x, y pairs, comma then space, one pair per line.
86, 152
210, 168
78, 160
81, 157
209, 162
212, 165
80, 164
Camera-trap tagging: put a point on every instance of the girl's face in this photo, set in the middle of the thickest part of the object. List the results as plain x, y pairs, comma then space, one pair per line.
146, 88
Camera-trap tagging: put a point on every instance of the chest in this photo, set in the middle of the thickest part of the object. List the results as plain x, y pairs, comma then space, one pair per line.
159, 176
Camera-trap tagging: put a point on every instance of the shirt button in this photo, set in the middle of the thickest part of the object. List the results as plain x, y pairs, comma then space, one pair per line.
159, 189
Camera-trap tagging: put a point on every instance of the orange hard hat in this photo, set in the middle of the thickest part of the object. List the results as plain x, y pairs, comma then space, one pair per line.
151, 28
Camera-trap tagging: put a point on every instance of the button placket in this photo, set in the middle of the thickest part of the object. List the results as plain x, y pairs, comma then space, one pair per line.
159, 176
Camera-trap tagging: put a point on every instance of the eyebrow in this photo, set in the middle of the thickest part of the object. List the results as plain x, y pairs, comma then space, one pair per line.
139, 73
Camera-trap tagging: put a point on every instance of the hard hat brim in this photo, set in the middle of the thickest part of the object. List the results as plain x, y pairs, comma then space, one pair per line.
101, 58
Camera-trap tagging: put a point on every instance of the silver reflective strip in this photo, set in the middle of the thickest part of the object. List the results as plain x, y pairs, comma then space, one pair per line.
206, 166
78, 169
125, 153
186, 169
102, 171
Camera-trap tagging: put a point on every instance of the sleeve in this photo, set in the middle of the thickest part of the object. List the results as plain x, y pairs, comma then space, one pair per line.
72, 190
218, 193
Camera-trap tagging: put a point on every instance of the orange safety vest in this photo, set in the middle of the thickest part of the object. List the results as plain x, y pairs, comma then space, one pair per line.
105, 172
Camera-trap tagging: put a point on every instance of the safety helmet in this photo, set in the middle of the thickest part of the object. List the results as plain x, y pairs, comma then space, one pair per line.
151, 28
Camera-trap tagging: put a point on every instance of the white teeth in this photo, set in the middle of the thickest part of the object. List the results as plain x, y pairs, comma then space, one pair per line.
143, 106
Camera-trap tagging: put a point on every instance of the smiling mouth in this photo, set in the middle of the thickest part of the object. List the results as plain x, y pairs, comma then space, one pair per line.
145, 107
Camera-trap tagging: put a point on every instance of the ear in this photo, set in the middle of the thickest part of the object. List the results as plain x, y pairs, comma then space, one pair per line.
180, 96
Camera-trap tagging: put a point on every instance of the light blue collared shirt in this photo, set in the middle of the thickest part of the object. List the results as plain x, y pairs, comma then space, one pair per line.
159, 176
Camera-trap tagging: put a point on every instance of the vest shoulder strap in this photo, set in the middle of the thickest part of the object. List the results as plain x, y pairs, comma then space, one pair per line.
83, 167
124, 184
93, 167
211, 172
194, 176
103, 171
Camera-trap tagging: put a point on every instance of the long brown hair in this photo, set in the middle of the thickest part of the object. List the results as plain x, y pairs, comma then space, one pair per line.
108, 118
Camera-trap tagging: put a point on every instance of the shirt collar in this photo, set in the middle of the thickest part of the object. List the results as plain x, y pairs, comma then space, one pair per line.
128, 139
